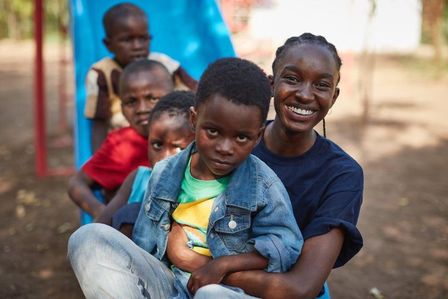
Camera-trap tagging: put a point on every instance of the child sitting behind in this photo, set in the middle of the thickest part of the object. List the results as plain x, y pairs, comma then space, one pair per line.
128, 39
169, 132
233, 203
143, 82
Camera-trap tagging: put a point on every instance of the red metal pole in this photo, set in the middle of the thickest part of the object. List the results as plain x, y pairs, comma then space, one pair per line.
39, 92
62, 71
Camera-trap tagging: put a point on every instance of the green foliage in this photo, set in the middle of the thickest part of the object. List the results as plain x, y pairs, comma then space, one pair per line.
445, 21
16, 17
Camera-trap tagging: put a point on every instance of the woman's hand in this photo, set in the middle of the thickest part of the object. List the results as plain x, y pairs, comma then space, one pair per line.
211, 273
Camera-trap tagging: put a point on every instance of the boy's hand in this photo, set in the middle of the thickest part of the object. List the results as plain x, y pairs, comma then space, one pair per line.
213, 272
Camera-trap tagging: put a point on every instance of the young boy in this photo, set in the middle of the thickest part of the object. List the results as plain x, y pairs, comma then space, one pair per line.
141, 85
128, 39
169, 132
231, 201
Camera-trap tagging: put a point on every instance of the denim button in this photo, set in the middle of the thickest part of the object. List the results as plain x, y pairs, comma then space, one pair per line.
232, 224
166, 226
216, 209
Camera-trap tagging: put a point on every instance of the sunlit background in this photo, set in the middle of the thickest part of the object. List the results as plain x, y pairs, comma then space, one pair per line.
390, 116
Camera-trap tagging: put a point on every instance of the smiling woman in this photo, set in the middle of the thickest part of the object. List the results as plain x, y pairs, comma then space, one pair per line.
324, 183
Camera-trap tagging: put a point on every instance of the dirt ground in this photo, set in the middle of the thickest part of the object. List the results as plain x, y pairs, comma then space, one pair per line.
403, 150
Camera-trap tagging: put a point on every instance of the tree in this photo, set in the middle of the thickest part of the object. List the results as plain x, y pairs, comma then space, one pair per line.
16, 17
433, 19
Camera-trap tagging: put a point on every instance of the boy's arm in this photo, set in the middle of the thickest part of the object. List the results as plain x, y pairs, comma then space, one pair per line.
216, 269
100, 129
79, 190
119, 200
306, 277
274, 230
179, 254
185, 78
97, 106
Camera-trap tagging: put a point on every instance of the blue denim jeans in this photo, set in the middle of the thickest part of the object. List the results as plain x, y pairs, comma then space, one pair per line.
109, 265
223, 292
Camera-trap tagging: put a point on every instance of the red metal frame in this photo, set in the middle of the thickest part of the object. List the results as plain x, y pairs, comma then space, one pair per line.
62, 72
39, 92
41, 166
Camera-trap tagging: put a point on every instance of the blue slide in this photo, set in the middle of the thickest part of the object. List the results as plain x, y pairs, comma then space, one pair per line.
191, 31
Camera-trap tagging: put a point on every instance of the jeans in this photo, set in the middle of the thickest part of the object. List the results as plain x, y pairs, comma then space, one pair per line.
109, 265
222, 292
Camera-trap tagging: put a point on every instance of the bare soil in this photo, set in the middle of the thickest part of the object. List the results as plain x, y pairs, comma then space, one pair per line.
403, 149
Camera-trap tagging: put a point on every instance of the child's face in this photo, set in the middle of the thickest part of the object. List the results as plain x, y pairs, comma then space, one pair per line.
226, 134
129, 40
304, 86
167, 136
139, 95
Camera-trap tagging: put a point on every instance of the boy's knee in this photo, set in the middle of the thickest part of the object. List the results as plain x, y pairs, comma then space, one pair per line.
209, 291
84, 242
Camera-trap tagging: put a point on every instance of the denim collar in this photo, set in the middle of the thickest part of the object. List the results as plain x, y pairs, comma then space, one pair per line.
241, 191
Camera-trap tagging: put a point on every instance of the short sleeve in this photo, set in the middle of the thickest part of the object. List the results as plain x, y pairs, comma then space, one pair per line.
171, 64
101, 167
122, 152
340, 209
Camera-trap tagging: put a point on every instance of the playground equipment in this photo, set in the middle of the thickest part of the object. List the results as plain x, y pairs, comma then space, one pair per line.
191, 31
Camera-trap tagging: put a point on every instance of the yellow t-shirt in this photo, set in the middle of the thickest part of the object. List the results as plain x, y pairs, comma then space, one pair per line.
195, 205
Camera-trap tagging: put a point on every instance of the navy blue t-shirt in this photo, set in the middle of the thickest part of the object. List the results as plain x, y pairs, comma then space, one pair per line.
325, 186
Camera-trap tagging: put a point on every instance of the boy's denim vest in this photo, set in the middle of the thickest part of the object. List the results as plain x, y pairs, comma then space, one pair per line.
253, 213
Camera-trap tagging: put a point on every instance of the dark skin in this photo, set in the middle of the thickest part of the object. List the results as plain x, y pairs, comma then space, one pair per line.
138, 93
129, 40
304, 88
100, 128
167, 136
221, 148
80, 191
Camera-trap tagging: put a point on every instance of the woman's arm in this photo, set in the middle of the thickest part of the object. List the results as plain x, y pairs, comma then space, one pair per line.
304, 280
216, 269
79, 190
119, 200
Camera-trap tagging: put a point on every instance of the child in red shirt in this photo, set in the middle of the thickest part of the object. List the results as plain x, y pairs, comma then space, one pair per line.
141, 85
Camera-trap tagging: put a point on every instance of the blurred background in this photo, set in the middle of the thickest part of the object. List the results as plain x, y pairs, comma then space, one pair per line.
391, 116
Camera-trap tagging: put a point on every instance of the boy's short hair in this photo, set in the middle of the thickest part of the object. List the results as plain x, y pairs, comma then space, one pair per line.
175, 103
143, 65
121, 11
238, 80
